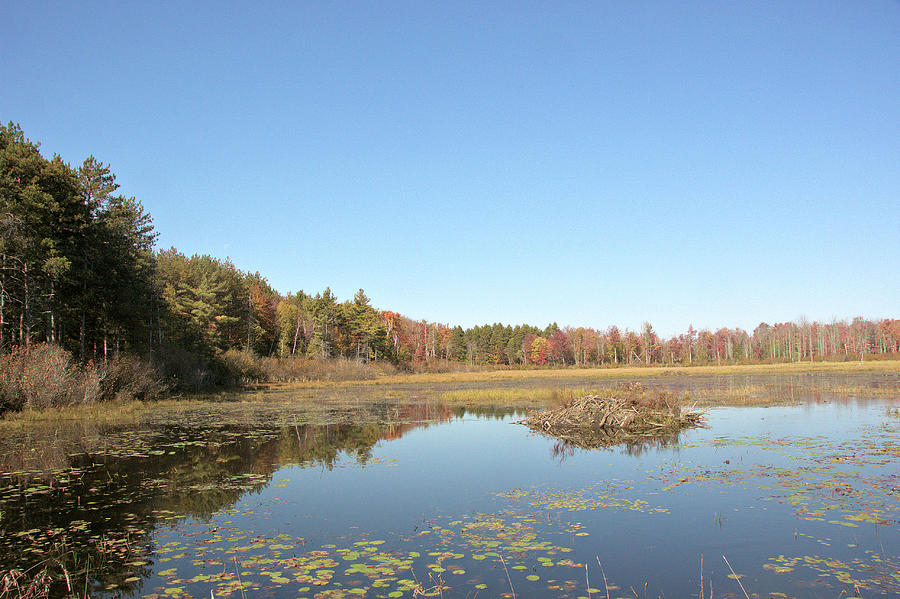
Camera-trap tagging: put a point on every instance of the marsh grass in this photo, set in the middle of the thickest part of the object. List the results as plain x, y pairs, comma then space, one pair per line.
740, 395
16, 584
749, 395
108, 413
680, 373
858, 390
507, 396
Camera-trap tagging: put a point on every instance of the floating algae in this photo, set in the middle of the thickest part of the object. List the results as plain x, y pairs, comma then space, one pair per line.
624, 414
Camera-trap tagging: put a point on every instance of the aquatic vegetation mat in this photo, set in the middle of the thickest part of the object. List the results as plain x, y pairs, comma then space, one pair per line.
471, 553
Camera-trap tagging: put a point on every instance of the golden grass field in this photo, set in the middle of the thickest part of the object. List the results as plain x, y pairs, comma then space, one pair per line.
606, 373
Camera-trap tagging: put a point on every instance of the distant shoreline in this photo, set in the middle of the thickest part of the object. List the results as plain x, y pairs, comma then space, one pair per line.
600, 373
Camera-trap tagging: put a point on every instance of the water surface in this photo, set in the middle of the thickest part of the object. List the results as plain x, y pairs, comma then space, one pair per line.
276, 500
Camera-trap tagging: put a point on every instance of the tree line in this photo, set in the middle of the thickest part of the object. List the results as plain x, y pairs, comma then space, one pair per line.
584, 346
78, 268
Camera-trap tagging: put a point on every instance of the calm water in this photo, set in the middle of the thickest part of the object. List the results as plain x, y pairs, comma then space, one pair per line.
802, 500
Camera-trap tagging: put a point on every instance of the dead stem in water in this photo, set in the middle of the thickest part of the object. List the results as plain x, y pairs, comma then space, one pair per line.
736, 577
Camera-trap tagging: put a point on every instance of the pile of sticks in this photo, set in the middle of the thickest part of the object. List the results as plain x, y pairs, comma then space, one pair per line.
628, 410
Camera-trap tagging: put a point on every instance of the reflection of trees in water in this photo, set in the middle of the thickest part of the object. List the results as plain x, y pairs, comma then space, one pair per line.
633, 446
88, 499
492, 412
96, 512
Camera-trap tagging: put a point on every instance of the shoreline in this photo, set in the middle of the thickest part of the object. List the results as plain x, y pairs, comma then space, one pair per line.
134, 411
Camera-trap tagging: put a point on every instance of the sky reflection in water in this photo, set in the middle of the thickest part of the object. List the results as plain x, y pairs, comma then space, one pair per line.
751, 487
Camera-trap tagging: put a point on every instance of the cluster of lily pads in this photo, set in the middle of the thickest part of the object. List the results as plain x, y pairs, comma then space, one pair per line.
825, 481
605, 494
475, 552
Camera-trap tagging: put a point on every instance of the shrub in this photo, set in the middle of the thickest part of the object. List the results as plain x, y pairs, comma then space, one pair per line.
246, 367
183, 369
45, 375
243, 367
37, 377
438, 366
128, 378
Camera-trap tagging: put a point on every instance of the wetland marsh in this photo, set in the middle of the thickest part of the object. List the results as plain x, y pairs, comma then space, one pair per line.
411, 488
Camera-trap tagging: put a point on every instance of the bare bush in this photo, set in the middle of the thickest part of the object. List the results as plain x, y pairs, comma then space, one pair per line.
45, 376
252, 369
36, 377
339, 369
244, 367
130, 378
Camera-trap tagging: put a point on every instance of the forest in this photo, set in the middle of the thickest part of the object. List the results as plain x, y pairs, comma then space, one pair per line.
79, 271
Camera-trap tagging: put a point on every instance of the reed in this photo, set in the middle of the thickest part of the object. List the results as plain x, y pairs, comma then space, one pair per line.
505, 395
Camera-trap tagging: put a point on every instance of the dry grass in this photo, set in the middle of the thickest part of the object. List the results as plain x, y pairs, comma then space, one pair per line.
507, 396
107, 413
15, 584
854, 390
740, 395
599, 374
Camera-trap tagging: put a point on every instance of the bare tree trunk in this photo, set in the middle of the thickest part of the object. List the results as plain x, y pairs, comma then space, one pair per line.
2, 301
81, 334
296, 335
25, 317
249, 317
50, 338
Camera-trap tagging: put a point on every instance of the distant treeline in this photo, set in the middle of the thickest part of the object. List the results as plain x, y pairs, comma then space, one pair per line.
781, 342
78, 269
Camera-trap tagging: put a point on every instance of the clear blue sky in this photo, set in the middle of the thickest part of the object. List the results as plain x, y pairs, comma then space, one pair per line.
595, 163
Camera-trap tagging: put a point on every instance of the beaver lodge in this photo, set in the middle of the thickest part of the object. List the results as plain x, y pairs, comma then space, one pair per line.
623, 414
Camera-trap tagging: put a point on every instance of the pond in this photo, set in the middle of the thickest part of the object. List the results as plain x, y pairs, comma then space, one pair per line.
398, 498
